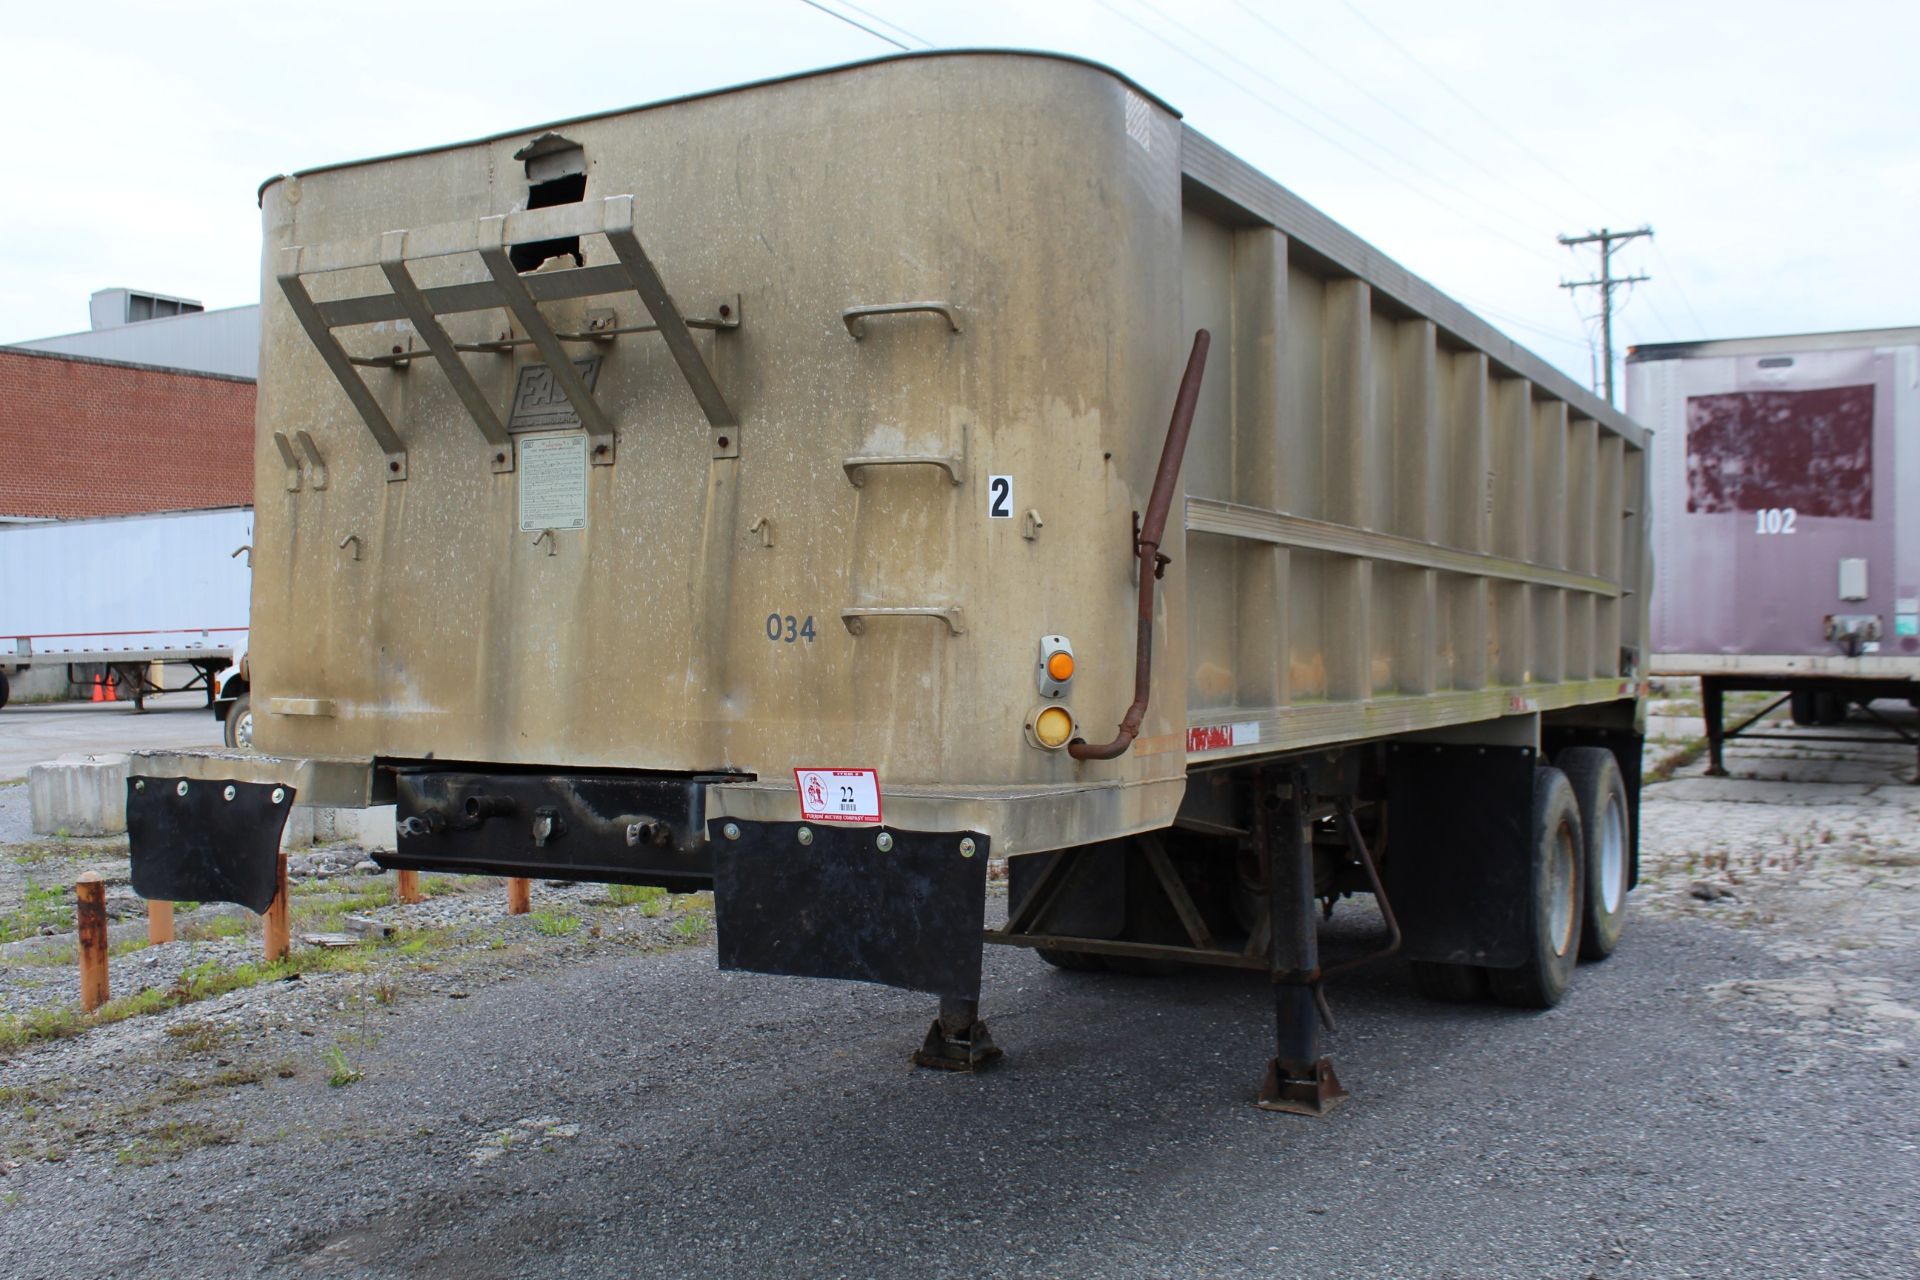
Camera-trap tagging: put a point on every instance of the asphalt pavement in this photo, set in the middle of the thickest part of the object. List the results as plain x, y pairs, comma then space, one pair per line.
665, 1119
34, 732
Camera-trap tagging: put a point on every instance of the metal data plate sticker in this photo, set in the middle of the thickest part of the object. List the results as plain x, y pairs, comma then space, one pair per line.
838, 795
553, 482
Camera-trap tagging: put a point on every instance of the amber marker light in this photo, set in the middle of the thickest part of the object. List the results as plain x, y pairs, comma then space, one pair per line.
1052, 727
1054, 669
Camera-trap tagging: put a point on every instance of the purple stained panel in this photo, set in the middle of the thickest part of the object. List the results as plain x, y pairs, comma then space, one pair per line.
1808, 450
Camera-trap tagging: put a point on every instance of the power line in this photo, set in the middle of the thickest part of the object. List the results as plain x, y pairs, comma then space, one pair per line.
1499, 128
1361, 88
1284, 114
1606, 283
1699, 328
885, 22
1520, 227
815, 4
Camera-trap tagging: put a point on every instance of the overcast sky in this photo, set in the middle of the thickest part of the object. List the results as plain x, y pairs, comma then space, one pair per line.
1773, 147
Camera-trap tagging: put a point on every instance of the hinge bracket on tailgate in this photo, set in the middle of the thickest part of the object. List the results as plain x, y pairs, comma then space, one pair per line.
490, 238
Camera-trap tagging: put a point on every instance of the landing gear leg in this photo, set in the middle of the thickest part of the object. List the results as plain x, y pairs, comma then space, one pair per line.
957, 1040
1300, 1078
1712, 708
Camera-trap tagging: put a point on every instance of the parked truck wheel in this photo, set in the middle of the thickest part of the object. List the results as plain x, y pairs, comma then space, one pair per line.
1601, 794
1815, 707
239, 725
1451, 983
1556, 889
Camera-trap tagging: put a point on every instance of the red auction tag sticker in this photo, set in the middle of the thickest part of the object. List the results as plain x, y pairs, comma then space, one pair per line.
838, 795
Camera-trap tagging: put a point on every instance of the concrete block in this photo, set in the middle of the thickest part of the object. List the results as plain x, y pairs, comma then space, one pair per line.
80, 795
368, 828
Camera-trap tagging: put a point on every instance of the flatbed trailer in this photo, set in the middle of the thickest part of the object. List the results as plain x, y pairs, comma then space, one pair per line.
1788, 526
818, 490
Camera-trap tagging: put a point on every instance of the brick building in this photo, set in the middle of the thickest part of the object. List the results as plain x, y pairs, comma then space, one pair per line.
88, 437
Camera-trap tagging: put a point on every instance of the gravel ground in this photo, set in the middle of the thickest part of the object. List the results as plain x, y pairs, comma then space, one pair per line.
1732, 1094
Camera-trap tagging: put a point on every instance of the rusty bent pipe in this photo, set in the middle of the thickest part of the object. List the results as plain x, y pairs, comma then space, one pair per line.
1147, 546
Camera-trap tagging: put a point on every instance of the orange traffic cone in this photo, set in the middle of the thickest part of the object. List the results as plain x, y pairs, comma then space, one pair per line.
99, 689
113, 687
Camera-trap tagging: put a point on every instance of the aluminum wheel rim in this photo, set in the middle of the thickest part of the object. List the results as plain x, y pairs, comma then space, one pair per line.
243, 732
1613, 856
1562, 866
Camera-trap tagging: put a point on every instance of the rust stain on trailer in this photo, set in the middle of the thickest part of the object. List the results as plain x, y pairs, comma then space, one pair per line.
1811, 451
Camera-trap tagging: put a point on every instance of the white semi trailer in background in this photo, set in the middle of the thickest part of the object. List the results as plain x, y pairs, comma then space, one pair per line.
124, 592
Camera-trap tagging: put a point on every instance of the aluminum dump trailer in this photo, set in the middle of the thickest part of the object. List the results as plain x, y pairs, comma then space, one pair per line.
822, 489
1787, 522
124, 592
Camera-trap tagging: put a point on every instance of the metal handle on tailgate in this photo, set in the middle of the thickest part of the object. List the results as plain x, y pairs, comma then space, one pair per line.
856, 317
856, 619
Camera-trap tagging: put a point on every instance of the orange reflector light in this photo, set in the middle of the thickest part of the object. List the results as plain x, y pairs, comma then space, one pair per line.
1052, 727
1060, 666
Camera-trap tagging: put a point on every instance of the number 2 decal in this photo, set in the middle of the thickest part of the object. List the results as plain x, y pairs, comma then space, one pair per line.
999, 497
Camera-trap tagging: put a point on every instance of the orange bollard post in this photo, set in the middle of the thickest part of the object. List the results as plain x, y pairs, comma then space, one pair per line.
519, 895
159, 922
90, 920
406, 887
274, 925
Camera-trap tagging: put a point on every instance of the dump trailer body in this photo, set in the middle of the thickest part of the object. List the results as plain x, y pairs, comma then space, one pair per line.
718, 483
124, 592
1787, 514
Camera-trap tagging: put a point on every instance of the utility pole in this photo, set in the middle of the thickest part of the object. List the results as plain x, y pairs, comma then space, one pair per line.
1606, 284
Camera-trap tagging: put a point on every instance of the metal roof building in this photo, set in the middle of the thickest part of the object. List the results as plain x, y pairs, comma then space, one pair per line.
133, 327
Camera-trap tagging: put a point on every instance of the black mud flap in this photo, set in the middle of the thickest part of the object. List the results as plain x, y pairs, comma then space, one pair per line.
206, 840
1461, 856
840, 906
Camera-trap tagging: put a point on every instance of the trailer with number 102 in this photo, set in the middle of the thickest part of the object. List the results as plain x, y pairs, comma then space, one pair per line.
819, 490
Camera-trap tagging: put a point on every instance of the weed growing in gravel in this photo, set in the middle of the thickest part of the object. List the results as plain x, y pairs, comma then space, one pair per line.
553, 924
68, 955
692, 925
174, 1139
43, 906
200, 982
196, 1036
221, 926
634, 895
340, 1072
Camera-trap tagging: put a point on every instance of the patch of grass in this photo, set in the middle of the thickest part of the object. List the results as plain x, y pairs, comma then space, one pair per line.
1676, 760
413, 942
634, 895
201, 982
196, 1036
692, 925
67, 955
553, 924
340, 1072
1881, 858
42, 905
440, 886
175, 1138
61, 847
221, 926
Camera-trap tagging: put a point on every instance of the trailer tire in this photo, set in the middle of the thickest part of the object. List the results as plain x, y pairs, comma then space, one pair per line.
1813, 708
1450, 983
1556, 893
1605, 818
238, 729
6, 690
